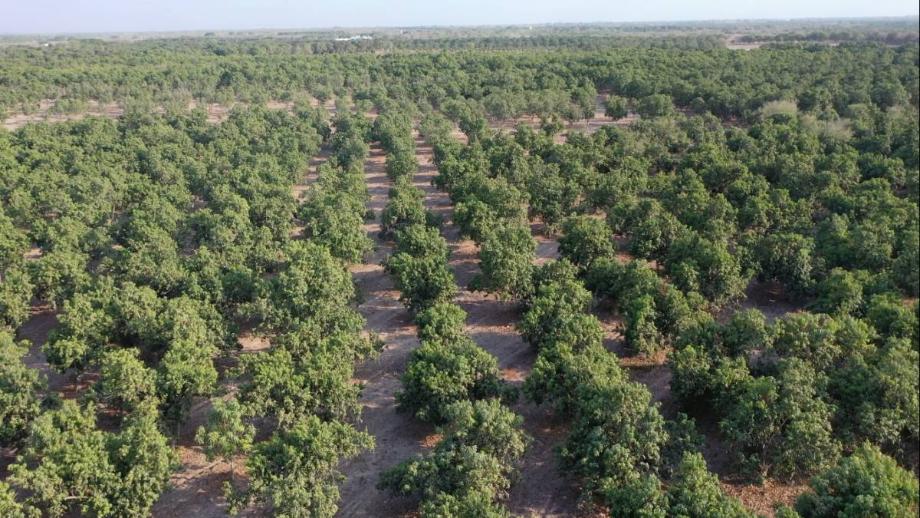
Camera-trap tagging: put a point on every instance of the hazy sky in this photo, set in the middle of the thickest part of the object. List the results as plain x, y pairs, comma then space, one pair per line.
45, 16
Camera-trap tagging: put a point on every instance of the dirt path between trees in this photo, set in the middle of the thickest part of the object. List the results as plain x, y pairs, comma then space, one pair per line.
398, 436
541, 491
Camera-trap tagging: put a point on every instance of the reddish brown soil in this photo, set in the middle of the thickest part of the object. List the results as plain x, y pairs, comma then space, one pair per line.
196, 488
763, 499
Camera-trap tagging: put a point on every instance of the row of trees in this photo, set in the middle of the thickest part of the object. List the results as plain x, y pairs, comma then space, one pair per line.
155, 236
303, 386
618, 441
150, 237
549, 82
449, 380
335, 207
790, 428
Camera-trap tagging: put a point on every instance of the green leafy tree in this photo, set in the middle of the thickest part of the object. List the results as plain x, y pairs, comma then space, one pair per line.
699, 264
876, 395
125, 382
506, 260
640, 496
313, 284
405, 207
474, 218
891, 317
441, 372
655, 105
696, 493
641, 333
867, 483
789, 259
422, 281
226, 435
10, 508
616, 107
58, 274
15, 296
552, 195
305, 373
553, 305
185, 371
21, 390
746, 332
470, 468
585, 240
779, 425
59, 479
616, 432
295, 472
143, 460
907, 275
401, 163
841, 293
422, 241
69, 464
331, 221
444, 321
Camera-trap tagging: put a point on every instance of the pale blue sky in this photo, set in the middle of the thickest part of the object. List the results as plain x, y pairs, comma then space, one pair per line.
45, 16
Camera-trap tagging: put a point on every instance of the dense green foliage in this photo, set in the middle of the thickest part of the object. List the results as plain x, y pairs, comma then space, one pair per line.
784, 178
20, 391
67, 462
158, 235
471, 465
295, 471
866, 483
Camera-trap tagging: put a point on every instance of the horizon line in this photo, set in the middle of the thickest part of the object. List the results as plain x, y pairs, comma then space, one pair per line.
466, 26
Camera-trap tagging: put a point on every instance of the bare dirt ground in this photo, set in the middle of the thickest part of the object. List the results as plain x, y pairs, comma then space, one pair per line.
590, 125
45, 113
196, 488
399, 436
36, 330
770, 298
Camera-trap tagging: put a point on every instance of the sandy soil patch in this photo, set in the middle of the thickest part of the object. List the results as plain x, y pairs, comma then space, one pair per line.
398, 435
